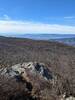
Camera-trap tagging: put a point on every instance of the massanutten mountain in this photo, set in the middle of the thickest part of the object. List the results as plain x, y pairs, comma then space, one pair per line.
64, 38
43, 36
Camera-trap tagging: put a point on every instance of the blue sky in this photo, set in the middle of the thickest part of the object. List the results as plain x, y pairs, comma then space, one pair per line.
37, 16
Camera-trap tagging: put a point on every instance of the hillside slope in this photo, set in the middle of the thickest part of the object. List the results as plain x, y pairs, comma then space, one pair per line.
59, 57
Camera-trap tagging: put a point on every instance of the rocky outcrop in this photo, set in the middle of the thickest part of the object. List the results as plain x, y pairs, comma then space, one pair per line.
35, 79
33, 68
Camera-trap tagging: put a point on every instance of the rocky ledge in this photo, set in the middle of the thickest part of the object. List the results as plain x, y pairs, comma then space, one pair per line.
32, 81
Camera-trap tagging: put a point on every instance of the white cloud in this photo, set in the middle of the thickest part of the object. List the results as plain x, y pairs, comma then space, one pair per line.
17, 27
5, 17
69, 17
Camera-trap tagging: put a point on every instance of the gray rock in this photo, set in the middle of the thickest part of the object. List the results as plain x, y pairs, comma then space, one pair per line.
33, 67
70, 98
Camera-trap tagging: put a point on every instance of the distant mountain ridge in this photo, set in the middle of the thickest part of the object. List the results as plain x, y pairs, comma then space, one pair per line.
64, 38
45, 36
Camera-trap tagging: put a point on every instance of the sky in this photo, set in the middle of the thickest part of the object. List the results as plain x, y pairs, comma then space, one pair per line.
37, 16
